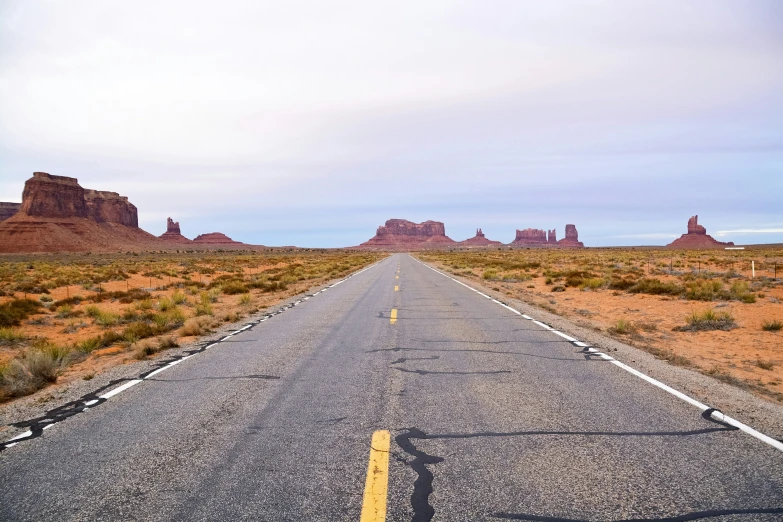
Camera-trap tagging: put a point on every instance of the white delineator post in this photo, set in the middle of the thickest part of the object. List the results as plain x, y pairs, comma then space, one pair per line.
753, 269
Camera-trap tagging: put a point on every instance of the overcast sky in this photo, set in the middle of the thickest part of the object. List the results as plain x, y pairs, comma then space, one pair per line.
311, 122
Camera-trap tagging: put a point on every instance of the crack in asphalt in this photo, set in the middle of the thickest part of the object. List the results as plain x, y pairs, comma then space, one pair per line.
422, 486
499, 352
403, 359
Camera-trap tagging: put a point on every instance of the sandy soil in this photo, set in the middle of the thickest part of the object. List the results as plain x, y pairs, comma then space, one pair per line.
747, 356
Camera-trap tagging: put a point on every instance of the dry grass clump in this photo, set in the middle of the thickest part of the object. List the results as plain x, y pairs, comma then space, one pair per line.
14, 312
11, 337
622, 327
150, 347
708, 320
772, 326
33, 369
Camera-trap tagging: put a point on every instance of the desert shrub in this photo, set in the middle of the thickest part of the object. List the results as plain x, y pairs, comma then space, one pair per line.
32, 370
708, 320
748, 298
233, 288
14, 312
46, 299
619, 283
178, 298
741, 291
165, 304
192, 327
66, 311
89, 345
138, 330
704, 290
622, 327
92, 311
765, 365
10, 337
654, 286
132, 295
558, 288
107, 319
592, 284
772, 326
75, 300
144, 304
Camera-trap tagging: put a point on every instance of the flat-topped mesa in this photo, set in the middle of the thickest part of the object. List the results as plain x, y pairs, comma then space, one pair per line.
53, 197
172, 232
530, 236
215, 238
8, 209
109, 207
697, 238
479, 240
404, 234
571, 239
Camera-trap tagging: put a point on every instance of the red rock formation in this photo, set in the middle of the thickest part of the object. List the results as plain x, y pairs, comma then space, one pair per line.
110, 207
57, 214
8, 209
551, 236
695, 228
215, 238
53, 197
400, 234
571, 239
697, 238
530, 237
172, 233
479, 240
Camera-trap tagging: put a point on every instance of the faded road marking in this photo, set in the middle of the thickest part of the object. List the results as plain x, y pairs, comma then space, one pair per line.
393, 316
377, 483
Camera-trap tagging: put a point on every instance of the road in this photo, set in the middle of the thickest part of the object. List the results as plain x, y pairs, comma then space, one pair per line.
490, 417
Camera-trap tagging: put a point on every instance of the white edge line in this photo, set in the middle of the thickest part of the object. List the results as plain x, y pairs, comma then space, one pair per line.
717, 415
120, 389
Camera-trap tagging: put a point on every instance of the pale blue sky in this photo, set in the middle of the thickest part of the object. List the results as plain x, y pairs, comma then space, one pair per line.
311, 123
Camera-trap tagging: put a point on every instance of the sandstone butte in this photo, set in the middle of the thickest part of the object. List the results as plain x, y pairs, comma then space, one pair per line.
172, 233
58, 215
533, 237
697, 238
479, 240
400, 234
215, 238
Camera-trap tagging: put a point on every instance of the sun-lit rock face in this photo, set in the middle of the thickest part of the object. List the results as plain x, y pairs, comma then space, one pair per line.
697, 238
404, 234
530, 236
110, 207
571, 239
53, 197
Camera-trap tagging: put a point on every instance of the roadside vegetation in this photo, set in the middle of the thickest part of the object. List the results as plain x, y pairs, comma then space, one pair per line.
706, 309
59, 315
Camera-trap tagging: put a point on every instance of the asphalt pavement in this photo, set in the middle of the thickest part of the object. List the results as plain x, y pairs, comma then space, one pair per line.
489, 417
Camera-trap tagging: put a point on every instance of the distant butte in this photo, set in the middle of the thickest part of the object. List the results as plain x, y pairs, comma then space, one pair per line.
479, 240
172, 233
697, 237
401, 234
537, 238
8, 209
215, 238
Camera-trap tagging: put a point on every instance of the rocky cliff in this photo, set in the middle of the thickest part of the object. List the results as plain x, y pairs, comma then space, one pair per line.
172, 233
571, 239
8, 209
110, 207
400, 234
530, 236
479, 240
57, 214
697, 238
53, 197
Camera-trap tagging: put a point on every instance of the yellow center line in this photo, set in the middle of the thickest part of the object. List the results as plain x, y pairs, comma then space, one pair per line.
396, 288
393, 316
396, 277
377, 483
